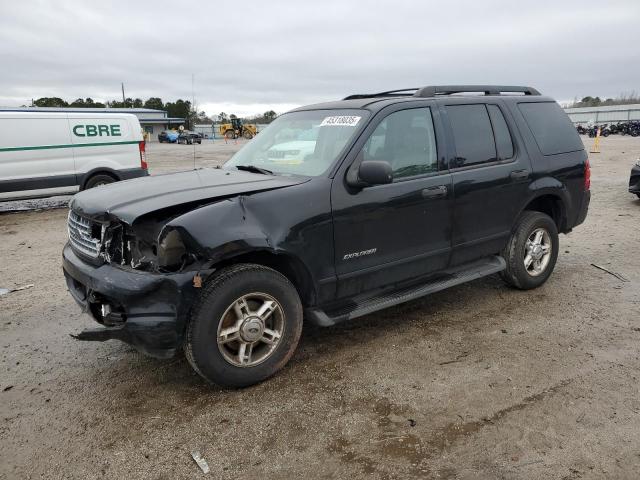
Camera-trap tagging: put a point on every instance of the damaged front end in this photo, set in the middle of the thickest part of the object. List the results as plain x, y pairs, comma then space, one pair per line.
136, 281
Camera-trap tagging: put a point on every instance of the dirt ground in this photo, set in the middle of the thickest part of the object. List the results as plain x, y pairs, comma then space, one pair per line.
480, 381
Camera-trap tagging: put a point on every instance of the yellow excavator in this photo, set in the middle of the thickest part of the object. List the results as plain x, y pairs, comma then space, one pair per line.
236, 129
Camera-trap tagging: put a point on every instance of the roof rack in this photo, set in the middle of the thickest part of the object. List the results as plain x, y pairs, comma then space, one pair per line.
437, 90
389, 93
434, 90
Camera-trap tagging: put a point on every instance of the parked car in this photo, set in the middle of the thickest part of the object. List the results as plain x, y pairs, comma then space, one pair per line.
57, 151
168, 137
405, 193
188, 138
634, 179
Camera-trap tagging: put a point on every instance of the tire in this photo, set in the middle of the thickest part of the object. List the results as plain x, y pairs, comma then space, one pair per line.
97, 180
216, 312
248, 135
515, 253
229, 134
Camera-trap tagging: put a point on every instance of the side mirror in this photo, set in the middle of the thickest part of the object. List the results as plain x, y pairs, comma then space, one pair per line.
374, 172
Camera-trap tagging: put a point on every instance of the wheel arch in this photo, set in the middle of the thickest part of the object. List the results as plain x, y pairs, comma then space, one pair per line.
98, 171
288, 265
552, 204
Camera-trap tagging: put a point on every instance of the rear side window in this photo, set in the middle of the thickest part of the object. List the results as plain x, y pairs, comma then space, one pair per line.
504, 144
472, 133
551, 127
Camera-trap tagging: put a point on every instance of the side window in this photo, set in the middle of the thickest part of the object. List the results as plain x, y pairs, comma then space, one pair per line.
472, 133
504, 144
406, 140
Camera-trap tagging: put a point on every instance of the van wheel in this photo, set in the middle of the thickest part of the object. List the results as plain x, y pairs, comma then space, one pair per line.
244, 327
531, 252
97, 180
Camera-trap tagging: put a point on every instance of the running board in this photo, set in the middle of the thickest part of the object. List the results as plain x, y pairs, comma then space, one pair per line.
364, 305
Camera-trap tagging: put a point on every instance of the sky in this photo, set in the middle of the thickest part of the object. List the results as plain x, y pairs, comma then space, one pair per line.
281, 54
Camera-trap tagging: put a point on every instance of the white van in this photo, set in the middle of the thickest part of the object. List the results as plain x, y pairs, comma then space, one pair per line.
51, 153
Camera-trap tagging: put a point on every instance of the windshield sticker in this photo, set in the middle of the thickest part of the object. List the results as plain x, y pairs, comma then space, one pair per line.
340, 121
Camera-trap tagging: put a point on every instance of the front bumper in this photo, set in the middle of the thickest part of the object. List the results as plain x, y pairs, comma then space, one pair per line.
634, 180
147, 310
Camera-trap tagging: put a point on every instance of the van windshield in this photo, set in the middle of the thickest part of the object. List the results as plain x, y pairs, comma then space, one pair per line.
301, 143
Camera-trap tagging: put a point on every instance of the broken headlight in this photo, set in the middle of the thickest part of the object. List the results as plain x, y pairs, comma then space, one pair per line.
172, 254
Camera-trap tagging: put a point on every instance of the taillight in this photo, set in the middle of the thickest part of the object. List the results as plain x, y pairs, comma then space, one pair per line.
587, 176
143, 156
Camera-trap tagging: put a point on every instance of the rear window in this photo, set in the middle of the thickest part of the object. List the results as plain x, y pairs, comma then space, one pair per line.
551, 127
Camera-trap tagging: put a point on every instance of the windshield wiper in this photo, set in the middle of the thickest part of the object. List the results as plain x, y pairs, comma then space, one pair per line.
254, 169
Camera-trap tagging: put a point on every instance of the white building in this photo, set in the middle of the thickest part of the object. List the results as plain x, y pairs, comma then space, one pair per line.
151, 121
600, 115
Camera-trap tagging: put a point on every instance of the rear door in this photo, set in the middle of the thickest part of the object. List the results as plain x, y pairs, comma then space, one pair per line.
490, 175
35, 151
386, 234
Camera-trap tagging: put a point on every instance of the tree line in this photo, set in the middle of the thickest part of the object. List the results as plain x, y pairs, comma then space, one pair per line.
178, 109
589, 101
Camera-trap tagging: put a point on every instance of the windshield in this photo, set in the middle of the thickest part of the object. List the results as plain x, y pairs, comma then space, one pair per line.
301, 143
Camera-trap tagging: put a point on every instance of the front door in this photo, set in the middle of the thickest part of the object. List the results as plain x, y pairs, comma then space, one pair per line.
387, 234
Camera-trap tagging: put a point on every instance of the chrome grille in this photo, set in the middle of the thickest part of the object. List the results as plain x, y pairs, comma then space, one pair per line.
80, 235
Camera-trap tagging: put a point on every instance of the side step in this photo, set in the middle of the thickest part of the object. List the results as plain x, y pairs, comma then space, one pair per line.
364, 305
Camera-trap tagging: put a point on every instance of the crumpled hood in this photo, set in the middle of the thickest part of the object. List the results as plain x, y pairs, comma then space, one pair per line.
130, 199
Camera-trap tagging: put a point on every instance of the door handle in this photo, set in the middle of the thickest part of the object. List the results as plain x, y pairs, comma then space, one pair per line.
519, 174
435, 192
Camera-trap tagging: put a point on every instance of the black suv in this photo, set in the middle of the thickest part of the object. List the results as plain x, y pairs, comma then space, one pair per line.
377, 199
189, 138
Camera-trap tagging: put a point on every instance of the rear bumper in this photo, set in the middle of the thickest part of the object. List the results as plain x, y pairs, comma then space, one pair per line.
584, 208
132, 173
147, 310
634, 180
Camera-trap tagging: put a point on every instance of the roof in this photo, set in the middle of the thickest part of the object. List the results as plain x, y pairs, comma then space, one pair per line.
161, 120
376, 104
81, 110
377, 101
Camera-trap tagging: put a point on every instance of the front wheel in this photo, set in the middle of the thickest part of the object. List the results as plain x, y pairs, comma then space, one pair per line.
244, 327
247, 135
98, 180
531, 252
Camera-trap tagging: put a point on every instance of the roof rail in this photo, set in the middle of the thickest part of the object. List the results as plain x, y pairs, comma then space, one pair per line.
389, 93
435, 90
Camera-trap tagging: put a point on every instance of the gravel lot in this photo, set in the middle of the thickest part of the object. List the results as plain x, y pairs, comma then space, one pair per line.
480, 381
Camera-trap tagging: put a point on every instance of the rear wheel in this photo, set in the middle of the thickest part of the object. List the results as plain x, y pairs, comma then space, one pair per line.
229, 134
245, 326
531, 252
99, 179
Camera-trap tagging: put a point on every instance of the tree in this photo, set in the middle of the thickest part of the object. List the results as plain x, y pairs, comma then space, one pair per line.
269, 116
86, 103
222, 117
232, 116
50, 102
180, 109
202, 117
154, 103
137, 103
